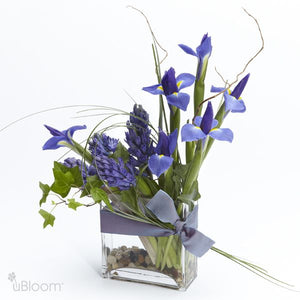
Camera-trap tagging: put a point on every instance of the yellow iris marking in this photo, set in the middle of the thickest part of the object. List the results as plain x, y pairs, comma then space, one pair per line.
161, 156
179, 83
160, 88
213, 129
175, 93
197, 127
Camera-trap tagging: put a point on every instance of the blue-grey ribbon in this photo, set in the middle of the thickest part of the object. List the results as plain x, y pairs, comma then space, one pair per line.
164, 209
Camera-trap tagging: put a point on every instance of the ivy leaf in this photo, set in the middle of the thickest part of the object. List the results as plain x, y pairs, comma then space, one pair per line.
65, 178
46, 189
73, 204
48, 218
99, 195
121, 152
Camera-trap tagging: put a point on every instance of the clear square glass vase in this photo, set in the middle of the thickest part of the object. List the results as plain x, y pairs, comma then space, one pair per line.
160, 261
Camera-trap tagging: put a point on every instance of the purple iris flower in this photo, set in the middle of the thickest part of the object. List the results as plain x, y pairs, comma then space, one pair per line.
233, 101
170, 87
60, 137
205, 126
161, 161
203, 52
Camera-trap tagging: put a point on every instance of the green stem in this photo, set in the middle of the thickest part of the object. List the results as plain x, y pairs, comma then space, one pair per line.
189, 151
81, 151
199, 89
194, 168
175, 123
162, 112
252, 268
166, 252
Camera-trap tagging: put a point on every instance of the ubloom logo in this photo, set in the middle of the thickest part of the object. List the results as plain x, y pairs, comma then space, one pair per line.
32, 286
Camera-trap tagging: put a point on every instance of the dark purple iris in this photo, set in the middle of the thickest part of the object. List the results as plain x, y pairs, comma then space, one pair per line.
207, 119
169, 83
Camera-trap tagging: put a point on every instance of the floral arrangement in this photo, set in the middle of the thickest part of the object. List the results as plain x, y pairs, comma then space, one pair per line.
145, 185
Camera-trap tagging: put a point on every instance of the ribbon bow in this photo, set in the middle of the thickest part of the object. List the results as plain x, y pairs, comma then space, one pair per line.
162, 206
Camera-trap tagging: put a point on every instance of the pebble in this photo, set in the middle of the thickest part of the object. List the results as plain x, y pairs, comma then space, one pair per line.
133, 256
111, 259
115, 266
123, 248
131, 265
141, 258
147, 260
118, 255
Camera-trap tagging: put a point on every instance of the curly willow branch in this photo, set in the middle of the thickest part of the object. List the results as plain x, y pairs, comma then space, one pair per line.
152, 33
244, 69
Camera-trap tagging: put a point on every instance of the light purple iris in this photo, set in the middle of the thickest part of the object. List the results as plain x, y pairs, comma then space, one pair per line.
203, 52
161, 161
59, 137
170, 87
232, 100
205, 126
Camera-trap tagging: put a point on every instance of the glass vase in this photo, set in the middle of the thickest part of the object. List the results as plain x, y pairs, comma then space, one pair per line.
160, 261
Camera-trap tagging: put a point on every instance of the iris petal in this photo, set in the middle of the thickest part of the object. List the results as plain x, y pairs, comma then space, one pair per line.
221, 134
72, 129
234, 105
190, 133
215, 89
198, 121
180, 100
214, 123
173, 141
154, 89
205, 48
184, 80
187, 49
237, 91
158, 164
163, 144
207, 119
54, 131
52, 143
169, 83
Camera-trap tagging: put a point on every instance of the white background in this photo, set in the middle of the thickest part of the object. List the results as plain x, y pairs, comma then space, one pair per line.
56, 53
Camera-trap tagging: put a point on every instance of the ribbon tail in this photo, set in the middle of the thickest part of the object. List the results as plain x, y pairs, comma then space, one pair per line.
196, 242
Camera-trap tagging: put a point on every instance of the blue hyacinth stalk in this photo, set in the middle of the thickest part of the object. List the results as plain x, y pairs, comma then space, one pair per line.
138, 137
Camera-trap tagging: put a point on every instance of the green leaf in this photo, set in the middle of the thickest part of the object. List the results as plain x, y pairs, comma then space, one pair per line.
129, 197
49, 218
193, 196
121, 152
91, 182
143, 186
65, 179
46, 189
178, 177
99, 195
73, 204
